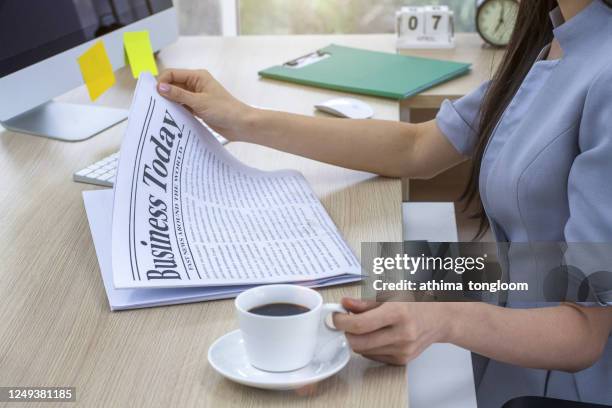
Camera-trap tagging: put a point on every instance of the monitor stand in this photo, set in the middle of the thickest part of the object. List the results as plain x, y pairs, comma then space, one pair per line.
66, 121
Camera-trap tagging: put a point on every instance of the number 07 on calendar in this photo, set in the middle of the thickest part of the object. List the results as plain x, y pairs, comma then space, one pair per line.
425, 27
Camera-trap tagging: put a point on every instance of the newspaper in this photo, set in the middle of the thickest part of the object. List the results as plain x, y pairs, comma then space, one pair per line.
187, 213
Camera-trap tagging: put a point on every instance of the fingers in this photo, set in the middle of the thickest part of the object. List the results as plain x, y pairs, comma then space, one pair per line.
393, 360
397, 354
390, 351
355, 306
377, 340
177, 94
402, 353
179, 76
364, 322
358, 306
182, 85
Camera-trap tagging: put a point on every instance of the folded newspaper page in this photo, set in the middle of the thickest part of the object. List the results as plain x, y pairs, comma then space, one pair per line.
187, 213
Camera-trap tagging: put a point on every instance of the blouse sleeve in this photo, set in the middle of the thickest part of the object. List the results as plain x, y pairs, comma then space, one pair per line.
458, 120
588, 231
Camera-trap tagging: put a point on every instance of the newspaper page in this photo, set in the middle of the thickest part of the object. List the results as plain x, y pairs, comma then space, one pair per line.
187, 213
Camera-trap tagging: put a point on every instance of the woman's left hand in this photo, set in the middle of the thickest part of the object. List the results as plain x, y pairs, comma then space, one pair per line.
394, 332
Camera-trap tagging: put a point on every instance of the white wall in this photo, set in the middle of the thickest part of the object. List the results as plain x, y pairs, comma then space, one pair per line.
199, 17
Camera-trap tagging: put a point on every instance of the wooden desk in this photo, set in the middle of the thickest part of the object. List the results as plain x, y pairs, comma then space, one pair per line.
55, 325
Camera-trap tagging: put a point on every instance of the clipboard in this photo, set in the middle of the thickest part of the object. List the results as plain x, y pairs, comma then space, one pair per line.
365, 72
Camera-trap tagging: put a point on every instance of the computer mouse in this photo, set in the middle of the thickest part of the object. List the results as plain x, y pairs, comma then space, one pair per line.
346, 108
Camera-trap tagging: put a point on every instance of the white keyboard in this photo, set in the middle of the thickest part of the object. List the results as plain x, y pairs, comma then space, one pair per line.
103, 172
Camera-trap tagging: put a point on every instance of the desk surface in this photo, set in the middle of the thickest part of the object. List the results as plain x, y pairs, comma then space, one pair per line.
55, 325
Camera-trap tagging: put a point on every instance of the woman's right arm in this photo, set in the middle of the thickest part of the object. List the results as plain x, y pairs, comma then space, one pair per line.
388, 148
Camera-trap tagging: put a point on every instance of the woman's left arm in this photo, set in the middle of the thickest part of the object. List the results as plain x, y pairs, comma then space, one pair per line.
566, 337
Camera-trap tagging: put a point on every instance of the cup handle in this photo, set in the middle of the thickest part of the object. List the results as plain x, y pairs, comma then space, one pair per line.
326, 313
328, 333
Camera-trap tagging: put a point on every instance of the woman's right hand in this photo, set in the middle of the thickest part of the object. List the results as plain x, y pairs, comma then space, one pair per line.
207, 99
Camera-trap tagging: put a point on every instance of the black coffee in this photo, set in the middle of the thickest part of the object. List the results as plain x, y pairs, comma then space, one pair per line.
279, 309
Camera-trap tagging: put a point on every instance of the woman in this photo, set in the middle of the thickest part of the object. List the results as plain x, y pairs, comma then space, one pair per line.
540, 136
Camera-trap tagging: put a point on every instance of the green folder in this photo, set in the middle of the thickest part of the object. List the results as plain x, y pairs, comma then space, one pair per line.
366, 72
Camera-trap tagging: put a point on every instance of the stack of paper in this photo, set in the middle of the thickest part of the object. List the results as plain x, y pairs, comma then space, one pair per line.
188, 222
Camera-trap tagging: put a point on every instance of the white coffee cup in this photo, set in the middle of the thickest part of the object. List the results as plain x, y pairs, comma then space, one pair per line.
284, 343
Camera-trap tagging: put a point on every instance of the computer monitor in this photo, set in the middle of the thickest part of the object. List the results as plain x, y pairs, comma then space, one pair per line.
40, 41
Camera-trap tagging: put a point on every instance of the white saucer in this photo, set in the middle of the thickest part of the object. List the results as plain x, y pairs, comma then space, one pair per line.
228, 357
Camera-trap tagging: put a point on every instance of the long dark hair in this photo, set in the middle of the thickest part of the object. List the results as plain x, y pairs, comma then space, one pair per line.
533, 30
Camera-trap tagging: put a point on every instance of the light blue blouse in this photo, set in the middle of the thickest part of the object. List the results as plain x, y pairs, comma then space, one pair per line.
546, 175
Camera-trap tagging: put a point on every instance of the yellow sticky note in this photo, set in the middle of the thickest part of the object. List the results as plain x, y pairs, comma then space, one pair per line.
97, 70
139, 52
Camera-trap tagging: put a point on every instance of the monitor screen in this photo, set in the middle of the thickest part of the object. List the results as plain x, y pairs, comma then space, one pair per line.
34, 30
